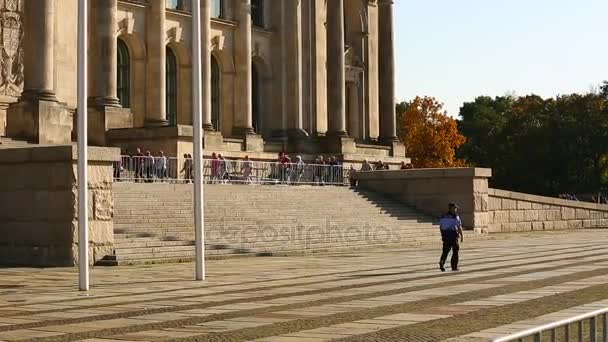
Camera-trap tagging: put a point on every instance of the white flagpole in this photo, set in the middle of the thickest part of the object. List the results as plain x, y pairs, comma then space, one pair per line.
199, 229
83, 193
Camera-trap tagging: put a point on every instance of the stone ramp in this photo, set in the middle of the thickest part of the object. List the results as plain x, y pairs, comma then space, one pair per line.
154, 222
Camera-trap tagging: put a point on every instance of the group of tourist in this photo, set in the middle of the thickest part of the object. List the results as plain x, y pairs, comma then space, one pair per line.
599, 198
566, 196
284, 170
145, 166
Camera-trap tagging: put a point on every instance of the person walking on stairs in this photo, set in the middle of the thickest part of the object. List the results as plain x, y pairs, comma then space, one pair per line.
451, 232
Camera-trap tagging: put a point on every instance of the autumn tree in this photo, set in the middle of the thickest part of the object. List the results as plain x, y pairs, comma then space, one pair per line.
430, 136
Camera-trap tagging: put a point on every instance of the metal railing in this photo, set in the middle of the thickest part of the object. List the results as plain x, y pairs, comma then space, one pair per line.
149, 169
553, 331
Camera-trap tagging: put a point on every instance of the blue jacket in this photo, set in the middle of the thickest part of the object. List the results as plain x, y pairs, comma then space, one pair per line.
449, 224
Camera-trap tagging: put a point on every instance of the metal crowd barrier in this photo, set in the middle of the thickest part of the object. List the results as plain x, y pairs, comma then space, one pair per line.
552, 330
149, 169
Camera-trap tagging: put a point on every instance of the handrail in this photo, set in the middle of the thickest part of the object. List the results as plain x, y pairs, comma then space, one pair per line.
551, 326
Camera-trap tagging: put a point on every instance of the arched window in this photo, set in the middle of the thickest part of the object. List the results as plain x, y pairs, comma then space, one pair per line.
123, 78
171, 88
217, 8
257, 13
255, 98
215, 94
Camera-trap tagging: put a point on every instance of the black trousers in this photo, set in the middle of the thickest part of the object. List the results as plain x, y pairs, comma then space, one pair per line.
450, 244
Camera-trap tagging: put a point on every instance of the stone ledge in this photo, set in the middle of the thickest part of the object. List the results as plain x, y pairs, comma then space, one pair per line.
426, 173
497, 193
58, 153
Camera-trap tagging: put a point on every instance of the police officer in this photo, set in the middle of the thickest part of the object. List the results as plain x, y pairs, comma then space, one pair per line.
451, 231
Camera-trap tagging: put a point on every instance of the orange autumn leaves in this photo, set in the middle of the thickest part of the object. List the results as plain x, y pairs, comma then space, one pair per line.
430, 136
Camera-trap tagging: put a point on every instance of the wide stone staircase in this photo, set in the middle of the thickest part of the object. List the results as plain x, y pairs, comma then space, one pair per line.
154, 222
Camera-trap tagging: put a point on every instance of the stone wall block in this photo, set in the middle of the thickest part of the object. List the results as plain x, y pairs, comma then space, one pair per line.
509, 227
509, 204
582, 214
537, 206
481, 202
481, 220
575, 224
568, 213
53, 205
516, 216
12, 204
548, 225
523, 226
524, 205
537, 226
553, 215
480, 185
590, 223
596, 215
100, 232
542, 215
494, 228
560, 224
100, 176
501, 217
16, 173
494, 203
91, 204
531, 215
104, 205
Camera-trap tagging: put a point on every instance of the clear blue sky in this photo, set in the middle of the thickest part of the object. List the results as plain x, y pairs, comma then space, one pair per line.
456, 50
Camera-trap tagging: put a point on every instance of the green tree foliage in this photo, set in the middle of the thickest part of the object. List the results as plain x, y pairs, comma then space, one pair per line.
536, 145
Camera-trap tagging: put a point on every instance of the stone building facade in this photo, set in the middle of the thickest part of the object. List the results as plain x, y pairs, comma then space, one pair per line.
304, 76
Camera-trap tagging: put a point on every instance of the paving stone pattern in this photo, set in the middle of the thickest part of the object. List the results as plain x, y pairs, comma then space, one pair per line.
509, 283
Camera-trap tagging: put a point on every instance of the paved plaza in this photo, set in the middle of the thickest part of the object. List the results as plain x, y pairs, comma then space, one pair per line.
506, 283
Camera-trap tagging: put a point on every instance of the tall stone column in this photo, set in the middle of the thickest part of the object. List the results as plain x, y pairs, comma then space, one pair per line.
39, 50
292, 45
354, 119
206, 63
386, 50
108, 64
336, 76
38, 116
243, 119
156, 113
104, 112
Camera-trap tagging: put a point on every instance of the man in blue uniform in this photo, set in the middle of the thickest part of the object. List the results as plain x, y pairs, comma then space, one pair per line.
451, 231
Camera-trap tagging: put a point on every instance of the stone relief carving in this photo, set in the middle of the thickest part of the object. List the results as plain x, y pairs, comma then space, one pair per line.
11, 39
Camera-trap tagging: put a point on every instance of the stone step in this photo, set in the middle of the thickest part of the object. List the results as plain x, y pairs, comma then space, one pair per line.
281, 240
154, 222
213, 221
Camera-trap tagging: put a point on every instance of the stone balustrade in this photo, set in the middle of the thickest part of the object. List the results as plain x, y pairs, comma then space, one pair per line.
430, 190
515, 212
484, 209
